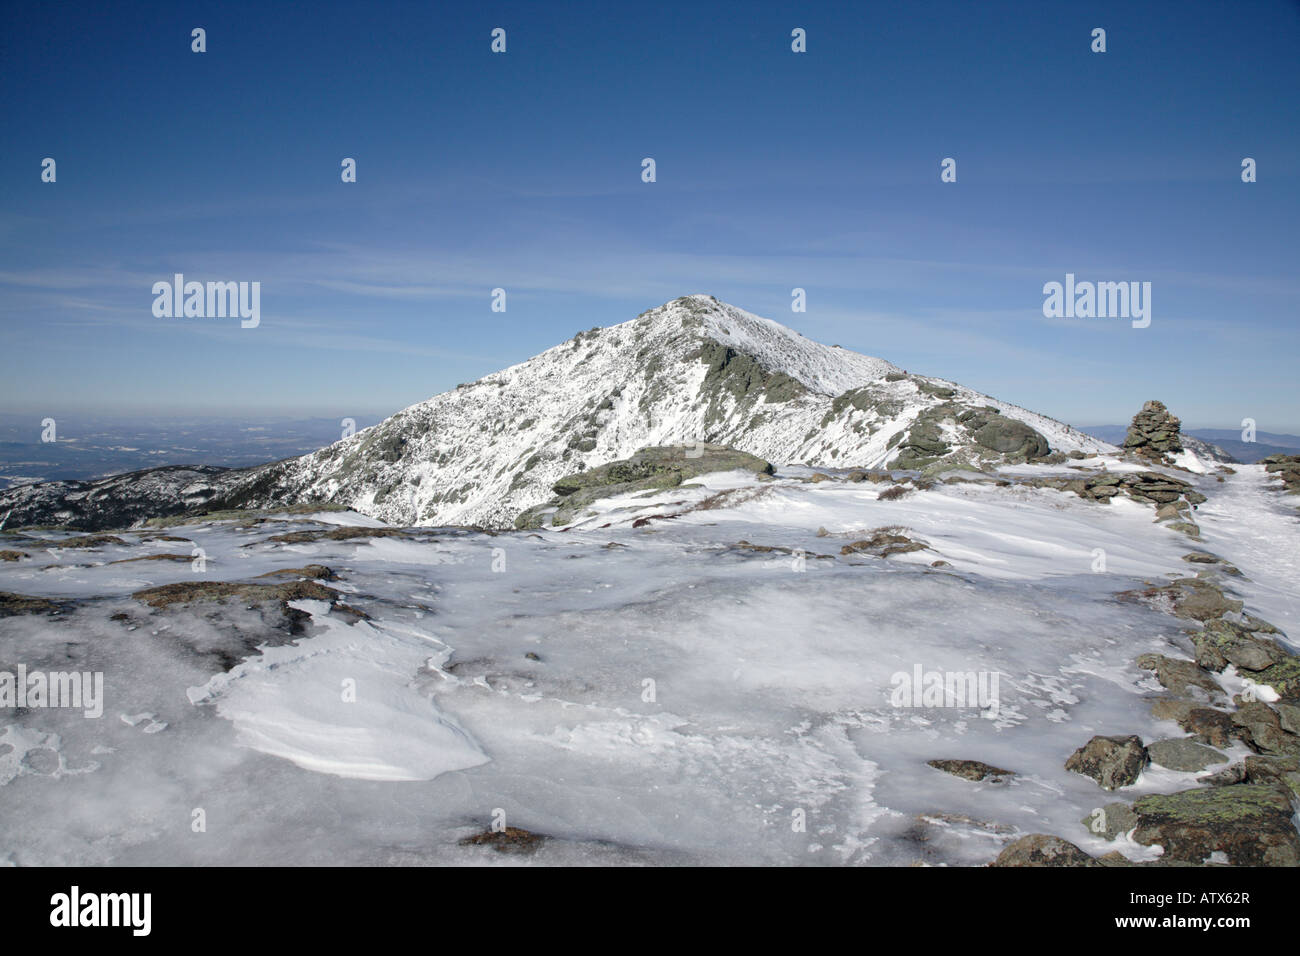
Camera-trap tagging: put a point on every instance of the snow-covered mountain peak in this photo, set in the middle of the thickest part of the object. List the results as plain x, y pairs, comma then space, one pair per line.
691, 370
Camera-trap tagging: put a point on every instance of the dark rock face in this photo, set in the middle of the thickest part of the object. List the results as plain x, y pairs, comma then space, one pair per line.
973, 770
1249, 823
1113, 762
1006, 436
1040, 849
1155, 433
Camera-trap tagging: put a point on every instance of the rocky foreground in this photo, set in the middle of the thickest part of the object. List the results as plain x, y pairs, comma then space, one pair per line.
687, 655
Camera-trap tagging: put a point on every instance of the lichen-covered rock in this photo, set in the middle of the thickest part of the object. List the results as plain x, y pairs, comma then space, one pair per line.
1249, 823
1113, 762
651, 468
1006, 436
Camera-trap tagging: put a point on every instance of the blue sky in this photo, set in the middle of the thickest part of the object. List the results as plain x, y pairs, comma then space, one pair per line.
522, 170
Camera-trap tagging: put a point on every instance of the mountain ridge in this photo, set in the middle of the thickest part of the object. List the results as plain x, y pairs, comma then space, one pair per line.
692, 370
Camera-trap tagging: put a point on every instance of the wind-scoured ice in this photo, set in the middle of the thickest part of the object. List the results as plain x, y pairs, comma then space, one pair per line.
660, 694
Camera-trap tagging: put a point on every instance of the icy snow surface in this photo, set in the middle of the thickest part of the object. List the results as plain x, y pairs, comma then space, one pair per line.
771, 675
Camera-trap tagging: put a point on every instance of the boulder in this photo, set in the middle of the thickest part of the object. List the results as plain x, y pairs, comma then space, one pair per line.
1113, 762
1249, 823
1041, 849
1178, 675
1183, 754
1111, 820
972, 770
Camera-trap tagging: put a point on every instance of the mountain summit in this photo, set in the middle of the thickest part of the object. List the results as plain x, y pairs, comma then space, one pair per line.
694, 370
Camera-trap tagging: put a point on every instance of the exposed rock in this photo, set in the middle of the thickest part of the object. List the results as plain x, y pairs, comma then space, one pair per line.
1041, 849
1111, 820
1155, 433
1263, 660
1192, 598
1281, 773
884, 542
1286, 467
88, 541
1183, 754
1248, 823
1012, 438
341, 533
1260, 729
1113, 762
1205, 724
155, 557
652, 468
972, 770
312, 571
1179, 675
1173, 497
188, 592
12, 604
1233, 773
9, 555
509, 840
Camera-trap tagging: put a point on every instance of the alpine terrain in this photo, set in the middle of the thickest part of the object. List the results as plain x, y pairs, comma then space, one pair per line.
690, 589
693, 370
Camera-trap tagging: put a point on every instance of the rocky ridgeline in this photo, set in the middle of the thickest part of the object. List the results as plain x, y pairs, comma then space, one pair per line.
1242, 814
1174, 498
